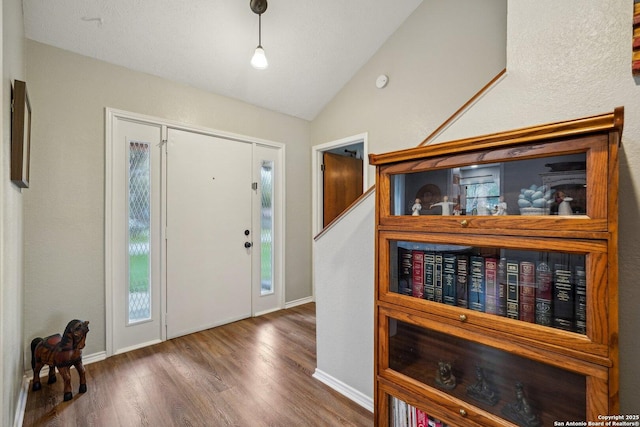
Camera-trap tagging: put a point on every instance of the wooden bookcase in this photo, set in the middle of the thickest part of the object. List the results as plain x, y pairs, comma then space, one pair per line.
519, 302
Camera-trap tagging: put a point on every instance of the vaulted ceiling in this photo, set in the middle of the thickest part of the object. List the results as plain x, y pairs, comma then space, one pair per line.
313, 48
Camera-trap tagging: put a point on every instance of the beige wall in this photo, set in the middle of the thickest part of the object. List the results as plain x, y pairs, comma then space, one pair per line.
444, 53
64, 208
11, 224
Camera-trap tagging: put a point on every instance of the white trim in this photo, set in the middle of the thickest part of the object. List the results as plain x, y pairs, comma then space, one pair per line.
298, 302
316, 182
346, 390
86, 360
21, 404
111, 115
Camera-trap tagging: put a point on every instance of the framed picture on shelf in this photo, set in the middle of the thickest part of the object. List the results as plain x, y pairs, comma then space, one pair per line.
20, 134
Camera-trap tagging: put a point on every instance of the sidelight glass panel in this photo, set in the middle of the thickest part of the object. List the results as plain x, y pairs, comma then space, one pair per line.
139, 295
266, 228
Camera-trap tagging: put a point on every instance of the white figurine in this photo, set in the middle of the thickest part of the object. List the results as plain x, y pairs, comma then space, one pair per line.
501, 207
446, 205
416, 208
564, 208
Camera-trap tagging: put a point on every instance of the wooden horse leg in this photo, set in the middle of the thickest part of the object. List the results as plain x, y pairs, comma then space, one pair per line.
83, 377
65, 371
52, 375
37, 367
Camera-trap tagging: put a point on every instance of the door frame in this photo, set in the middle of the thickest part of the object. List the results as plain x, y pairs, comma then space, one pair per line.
111, 116
316, 174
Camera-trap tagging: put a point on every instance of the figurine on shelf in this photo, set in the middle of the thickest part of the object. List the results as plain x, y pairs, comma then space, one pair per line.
481, 390
416, 208
521, 411
445, 377
501, 207
445, 204
564, 208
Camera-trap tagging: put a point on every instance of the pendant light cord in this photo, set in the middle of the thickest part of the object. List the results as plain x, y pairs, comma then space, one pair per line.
260, 30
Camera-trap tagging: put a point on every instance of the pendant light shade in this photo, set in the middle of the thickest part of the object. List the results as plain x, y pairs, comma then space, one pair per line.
259, 59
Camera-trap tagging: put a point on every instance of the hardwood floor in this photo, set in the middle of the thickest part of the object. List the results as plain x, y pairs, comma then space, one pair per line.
255, 372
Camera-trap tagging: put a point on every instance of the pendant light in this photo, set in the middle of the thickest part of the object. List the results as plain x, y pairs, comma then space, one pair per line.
259, 60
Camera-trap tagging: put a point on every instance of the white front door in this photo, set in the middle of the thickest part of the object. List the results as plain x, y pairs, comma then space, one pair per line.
208, 233
133, 252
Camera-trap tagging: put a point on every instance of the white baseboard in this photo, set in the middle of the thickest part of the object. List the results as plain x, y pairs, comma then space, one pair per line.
86, 360
21, 405
360, 398
297, 302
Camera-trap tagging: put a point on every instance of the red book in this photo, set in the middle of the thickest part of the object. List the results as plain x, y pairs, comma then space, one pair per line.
418, 274
422, 419
527, 288
544, 294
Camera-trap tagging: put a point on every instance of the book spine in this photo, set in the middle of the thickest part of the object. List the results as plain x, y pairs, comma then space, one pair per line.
476, 284
527, 307
405, 271
438, 277
502, 288
418, 274
580, 300
462, 291
429, 270
563, 298
544, 279
513, 275
491, 285
449, 279
422, 419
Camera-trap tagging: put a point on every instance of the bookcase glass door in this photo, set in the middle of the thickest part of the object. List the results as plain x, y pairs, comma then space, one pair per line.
542, 186
543, 287
523, 391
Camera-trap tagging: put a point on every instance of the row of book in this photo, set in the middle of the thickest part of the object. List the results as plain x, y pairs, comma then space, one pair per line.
405, 415
548, 291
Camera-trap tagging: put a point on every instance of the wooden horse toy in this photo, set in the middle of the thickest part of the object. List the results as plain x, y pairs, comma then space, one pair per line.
61, 352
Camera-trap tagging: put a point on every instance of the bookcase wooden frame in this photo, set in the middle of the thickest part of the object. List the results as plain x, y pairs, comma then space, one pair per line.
595, 235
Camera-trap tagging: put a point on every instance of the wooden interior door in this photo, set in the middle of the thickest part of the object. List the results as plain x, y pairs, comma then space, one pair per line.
342, 184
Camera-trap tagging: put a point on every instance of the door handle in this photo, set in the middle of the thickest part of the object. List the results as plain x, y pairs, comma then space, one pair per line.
248, 244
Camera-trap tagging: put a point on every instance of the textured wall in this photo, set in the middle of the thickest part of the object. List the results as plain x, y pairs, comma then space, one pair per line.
567, 60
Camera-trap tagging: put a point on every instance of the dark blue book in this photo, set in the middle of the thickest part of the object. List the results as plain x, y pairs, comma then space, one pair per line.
580, 300
429, 271
437, 274
462, 289
563, 302
449, 279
